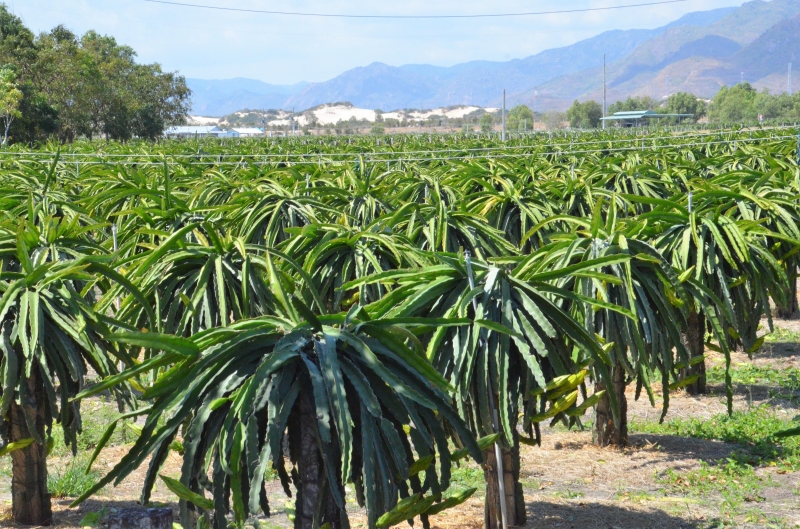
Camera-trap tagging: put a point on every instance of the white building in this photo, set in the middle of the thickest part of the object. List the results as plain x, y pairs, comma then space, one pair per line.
191, 131
194, 131
249, 132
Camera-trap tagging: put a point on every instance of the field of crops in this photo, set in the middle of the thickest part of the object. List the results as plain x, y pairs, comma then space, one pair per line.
363, 321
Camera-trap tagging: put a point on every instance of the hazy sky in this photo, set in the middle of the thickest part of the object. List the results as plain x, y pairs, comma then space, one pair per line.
284, 49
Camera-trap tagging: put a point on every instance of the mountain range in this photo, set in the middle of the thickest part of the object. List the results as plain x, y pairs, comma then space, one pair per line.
698, 53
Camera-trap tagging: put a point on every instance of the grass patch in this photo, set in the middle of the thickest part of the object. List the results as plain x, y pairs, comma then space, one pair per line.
783, 336
736, 484
71, 480
5, 475
568, 494
96, 415
749, 375
751, 430
467, 476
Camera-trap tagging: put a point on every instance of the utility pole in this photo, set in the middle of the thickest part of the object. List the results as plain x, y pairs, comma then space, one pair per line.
741, 78
789, 81
535, 104
503, 138
604, 90
291, 121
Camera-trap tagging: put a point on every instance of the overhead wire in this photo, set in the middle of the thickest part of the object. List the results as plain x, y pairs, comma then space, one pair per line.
413, 17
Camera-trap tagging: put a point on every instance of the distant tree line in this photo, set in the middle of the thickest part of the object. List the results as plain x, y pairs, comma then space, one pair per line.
589, 113
740, 103
60, 85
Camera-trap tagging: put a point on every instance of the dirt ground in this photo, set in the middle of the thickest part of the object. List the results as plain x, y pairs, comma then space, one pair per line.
569, 483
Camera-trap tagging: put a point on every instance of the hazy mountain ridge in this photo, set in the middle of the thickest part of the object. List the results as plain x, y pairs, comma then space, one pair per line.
657, 67
224, 96
481, 82
697, 53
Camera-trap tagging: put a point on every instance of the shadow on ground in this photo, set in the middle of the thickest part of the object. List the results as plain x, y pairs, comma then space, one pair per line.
597, 515
64, 516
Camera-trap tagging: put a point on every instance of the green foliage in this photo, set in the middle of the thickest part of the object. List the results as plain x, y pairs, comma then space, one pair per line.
266, 370
520, 118
685, 103
10, 98
585, 115
632, 104
466, 476
748, 374
750, 430
742, 103
49, 332
781, 335
96, 415
736, 484
248, 283
71, 480
734, 104
89, 85
487, 122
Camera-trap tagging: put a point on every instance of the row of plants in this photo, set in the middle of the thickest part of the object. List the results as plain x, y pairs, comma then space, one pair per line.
426, 146
356, 324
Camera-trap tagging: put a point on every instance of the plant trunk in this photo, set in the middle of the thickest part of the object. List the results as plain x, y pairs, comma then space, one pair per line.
790, 309
314, 505
29, 496
695, 341
605, 431
514, 496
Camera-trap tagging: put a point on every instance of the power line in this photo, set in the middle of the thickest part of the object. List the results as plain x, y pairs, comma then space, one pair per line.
337, 15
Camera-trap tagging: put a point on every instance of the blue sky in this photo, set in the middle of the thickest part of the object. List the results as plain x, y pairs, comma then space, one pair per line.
282, 49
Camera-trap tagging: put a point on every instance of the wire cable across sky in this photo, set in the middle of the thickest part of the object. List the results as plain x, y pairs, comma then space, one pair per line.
484, 15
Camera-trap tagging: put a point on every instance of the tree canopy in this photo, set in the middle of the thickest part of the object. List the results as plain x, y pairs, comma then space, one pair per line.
520, 117
632, 104
88, 85
585, 115
742, 102
685, 103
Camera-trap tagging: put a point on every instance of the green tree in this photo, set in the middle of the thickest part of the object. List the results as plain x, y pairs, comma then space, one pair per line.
685, 103
38, 119
87, 86
585, 115
735, 104
632, 104
520, 117
340, 397
49, 337
487, 122
10, 97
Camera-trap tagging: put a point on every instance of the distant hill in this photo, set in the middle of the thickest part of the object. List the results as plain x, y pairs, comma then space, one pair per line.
480, 82
224, 96
690, 58
697, 53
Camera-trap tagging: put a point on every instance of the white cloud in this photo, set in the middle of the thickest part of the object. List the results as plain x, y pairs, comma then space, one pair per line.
281, 49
